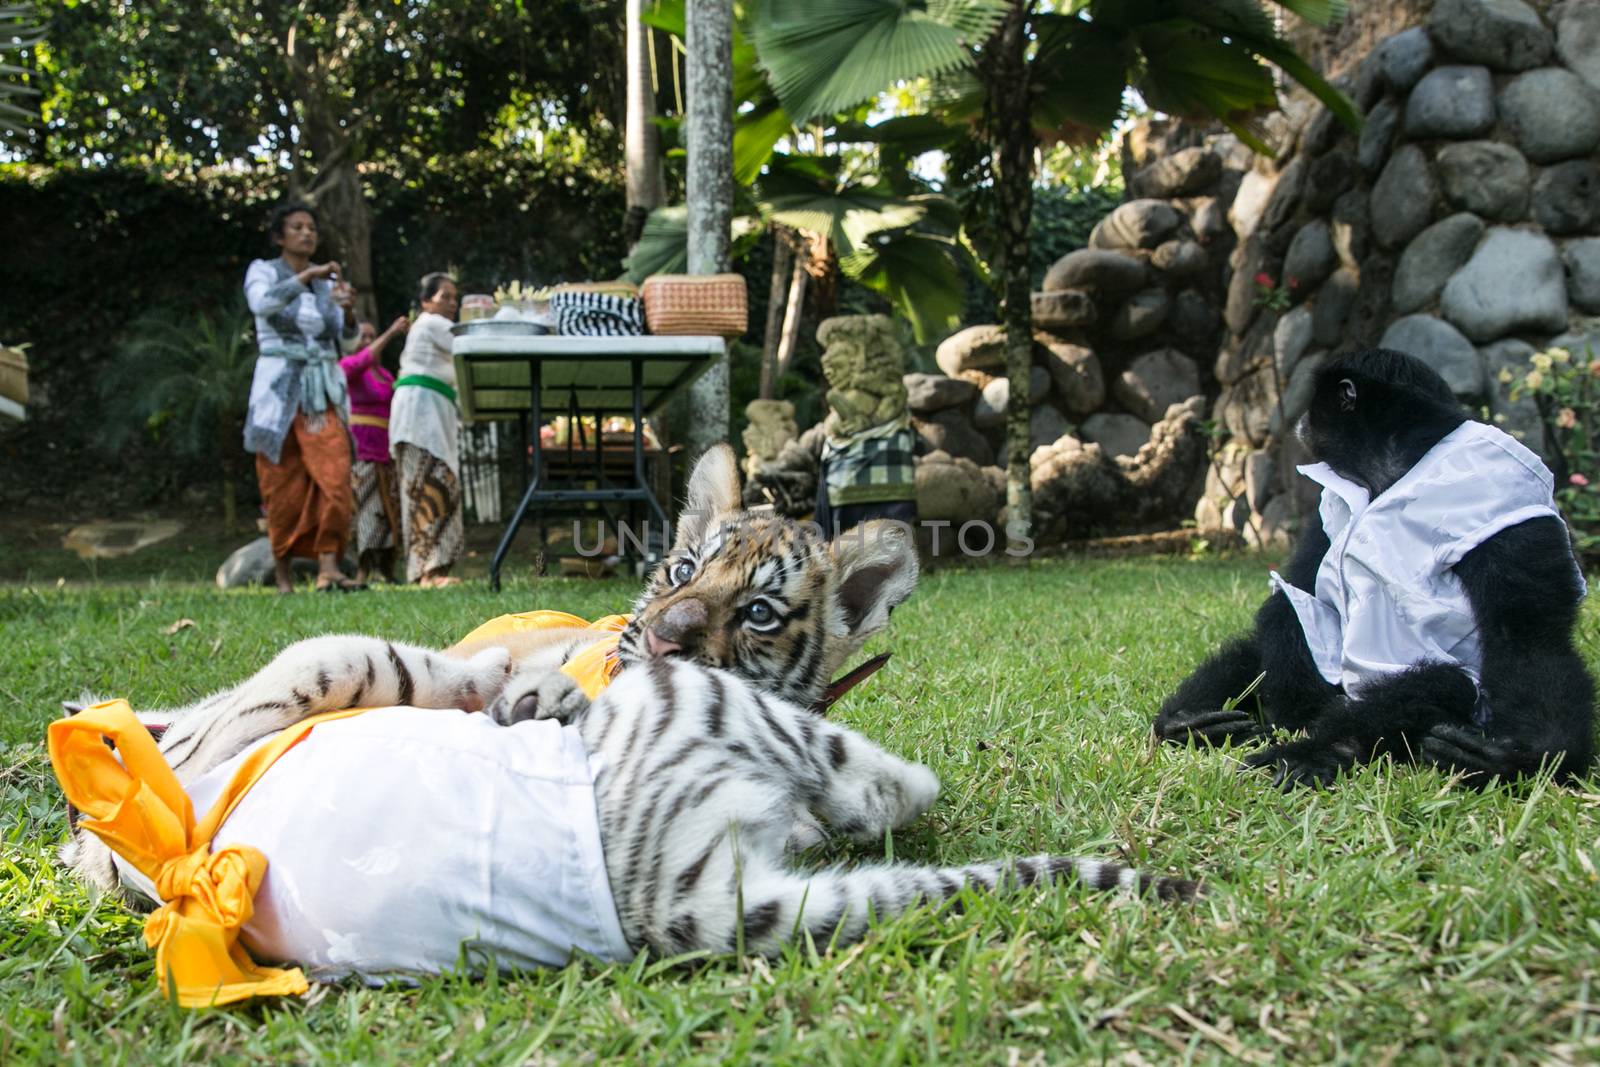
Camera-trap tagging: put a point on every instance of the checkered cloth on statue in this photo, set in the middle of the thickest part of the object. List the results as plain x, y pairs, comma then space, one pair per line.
871, 474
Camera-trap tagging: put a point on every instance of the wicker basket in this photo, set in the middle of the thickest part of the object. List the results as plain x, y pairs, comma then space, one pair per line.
14, 375
709, 305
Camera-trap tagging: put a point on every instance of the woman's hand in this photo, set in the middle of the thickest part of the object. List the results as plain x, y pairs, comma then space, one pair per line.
324, 270
400, 325
344, 294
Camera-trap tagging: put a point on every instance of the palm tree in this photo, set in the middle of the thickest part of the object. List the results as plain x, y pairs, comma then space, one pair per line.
1025, 72
186, 383
875, 222
19, 28
709, 178
642, 139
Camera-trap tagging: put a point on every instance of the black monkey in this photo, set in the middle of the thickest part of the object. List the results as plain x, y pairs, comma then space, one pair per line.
1436, 625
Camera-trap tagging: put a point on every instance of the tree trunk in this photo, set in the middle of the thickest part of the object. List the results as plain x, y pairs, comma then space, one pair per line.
710, 190
347, 224
1012, 132
336, 150
822, 264
793, 312
642, 146
782, 264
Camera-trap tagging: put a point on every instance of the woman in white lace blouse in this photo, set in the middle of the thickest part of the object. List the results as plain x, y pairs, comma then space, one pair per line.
422, 437
296, 423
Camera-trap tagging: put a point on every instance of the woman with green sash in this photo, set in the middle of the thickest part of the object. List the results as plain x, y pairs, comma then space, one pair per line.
423, 427
298, 414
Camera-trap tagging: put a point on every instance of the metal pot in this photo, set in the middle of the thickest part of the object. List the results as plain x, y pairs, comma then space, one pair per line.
498, 328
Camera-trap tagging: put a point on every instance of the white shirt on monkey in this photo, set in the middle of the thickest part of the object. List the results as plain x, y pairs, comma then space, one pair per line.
406, 841
1386, 595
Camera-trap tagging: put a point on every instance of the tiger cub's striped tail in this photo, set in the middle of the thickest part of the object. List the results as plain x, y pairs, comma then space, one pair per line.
835, 904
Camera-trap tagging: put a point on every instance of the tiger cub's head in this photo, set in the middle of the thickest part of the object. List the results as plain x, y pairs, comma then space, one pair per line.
766, 597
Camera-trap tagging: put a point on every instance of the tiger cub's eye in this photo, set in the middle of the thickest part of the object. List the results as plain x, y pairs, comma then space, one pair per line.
681, 572
760, 613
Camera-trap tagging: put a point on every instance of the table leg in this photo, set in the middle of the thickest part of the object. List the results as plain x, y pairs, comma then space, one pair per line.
536, 453
639, 478
524, 455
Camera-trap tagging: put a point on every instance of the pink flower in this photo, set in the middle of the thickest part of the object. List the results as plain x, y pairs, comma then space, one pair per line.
1264, 279
1578, 480
1566, 418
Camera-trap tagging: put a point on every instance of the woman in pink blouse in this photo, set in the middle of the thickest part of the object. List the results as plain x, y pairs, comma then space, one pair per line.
377, 496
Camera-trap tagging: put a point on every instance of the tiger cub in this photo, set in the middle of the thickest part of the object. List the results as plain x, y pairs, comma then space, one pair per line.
757, 595
707, 748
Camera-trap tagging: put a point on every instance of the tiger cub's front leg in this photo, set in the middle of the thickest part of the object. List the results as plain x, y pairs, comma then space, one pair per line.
862, 790
324, 674
538, 688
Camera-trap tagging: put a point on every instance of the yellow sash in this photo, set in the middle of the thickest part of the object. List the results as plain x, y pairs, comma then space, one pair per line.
137, 807
593, 668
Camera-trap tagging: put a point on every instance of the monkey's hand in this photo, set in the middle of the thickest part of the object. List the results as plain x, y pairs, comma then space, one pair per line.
1207, 728
1310, 762
1461, 749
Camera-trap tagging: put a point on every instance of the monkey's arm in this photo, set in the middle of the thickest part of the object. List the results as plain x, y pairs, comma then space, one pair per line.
1525, 594
1291, 694
1354, 730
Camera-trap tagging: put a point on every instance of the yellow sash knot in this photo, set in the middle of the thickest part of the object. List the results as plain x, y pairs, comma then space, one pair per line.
137, 807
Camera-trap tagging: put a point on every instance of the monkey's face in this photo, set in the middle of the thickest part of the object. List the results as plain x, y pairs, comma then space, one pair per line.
1337, 428
1374, 414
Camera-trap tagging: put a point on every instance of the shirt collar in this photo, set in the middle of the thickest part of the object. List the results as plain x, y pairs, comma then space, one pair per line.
1354, 496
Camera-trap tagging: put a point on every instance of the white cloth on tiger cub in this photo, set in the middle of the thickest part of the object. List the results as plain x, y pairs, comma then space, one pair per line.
406, 840
1387, 597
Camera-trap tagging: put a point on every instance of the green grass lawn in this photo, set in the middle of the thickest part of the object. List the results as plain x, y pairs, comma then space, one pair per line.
1391, 920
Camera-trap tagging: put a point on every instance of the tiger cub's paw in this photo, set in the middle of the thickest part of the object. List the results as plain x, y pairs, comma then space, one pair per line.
540, 695
806, 832
484, 678
921, 787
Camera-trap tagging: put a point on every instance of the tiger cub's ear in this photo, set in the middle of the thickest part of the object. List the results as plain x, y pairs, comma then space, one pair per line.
876, 566
713, 494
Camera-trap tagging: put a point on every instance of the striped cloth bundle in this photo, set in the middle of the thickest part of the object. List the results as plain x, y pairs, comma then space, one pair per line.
596, 314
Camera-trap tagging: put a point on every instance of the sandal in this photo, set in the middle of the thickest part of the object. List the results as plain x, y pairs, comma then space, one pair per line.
340, 584
438, 581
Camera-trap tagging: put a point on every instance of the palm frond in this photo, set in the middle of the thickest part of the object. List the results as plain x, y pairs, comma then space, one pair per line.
663, 246
1189, 71
1245, 24
755, 134
917, 272
1079, 72
1320, 12
19, 28
180, 377
825, 56
912, 134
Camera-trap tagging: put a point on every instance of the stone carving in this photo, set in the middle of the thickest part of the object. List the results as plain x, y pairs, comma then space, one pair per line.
865, 365
770, 427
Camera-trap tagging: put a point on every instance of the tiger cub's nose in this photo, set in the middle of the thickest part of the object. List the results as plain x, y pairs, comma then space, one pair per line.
679, 629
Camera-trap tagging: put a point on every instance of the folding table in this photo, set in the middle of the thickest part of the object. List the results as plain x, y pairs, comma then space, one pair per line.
535, 378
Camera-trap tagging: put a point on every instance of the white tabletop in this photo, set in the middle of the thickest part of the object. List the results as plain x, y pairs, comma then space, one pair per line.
556, 345
494, 373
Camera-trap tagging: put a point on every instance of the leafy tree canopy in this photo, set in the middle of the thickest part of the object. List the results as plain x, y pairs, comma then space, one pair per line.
202, 83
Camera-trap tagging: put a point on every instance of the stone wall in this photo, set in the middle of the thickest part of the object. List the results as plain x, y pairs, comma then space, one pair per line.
1459, 226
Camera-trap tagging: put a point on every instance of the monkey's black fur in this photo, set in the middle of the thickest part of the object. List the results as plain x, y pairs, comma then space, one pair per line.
1373, 416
